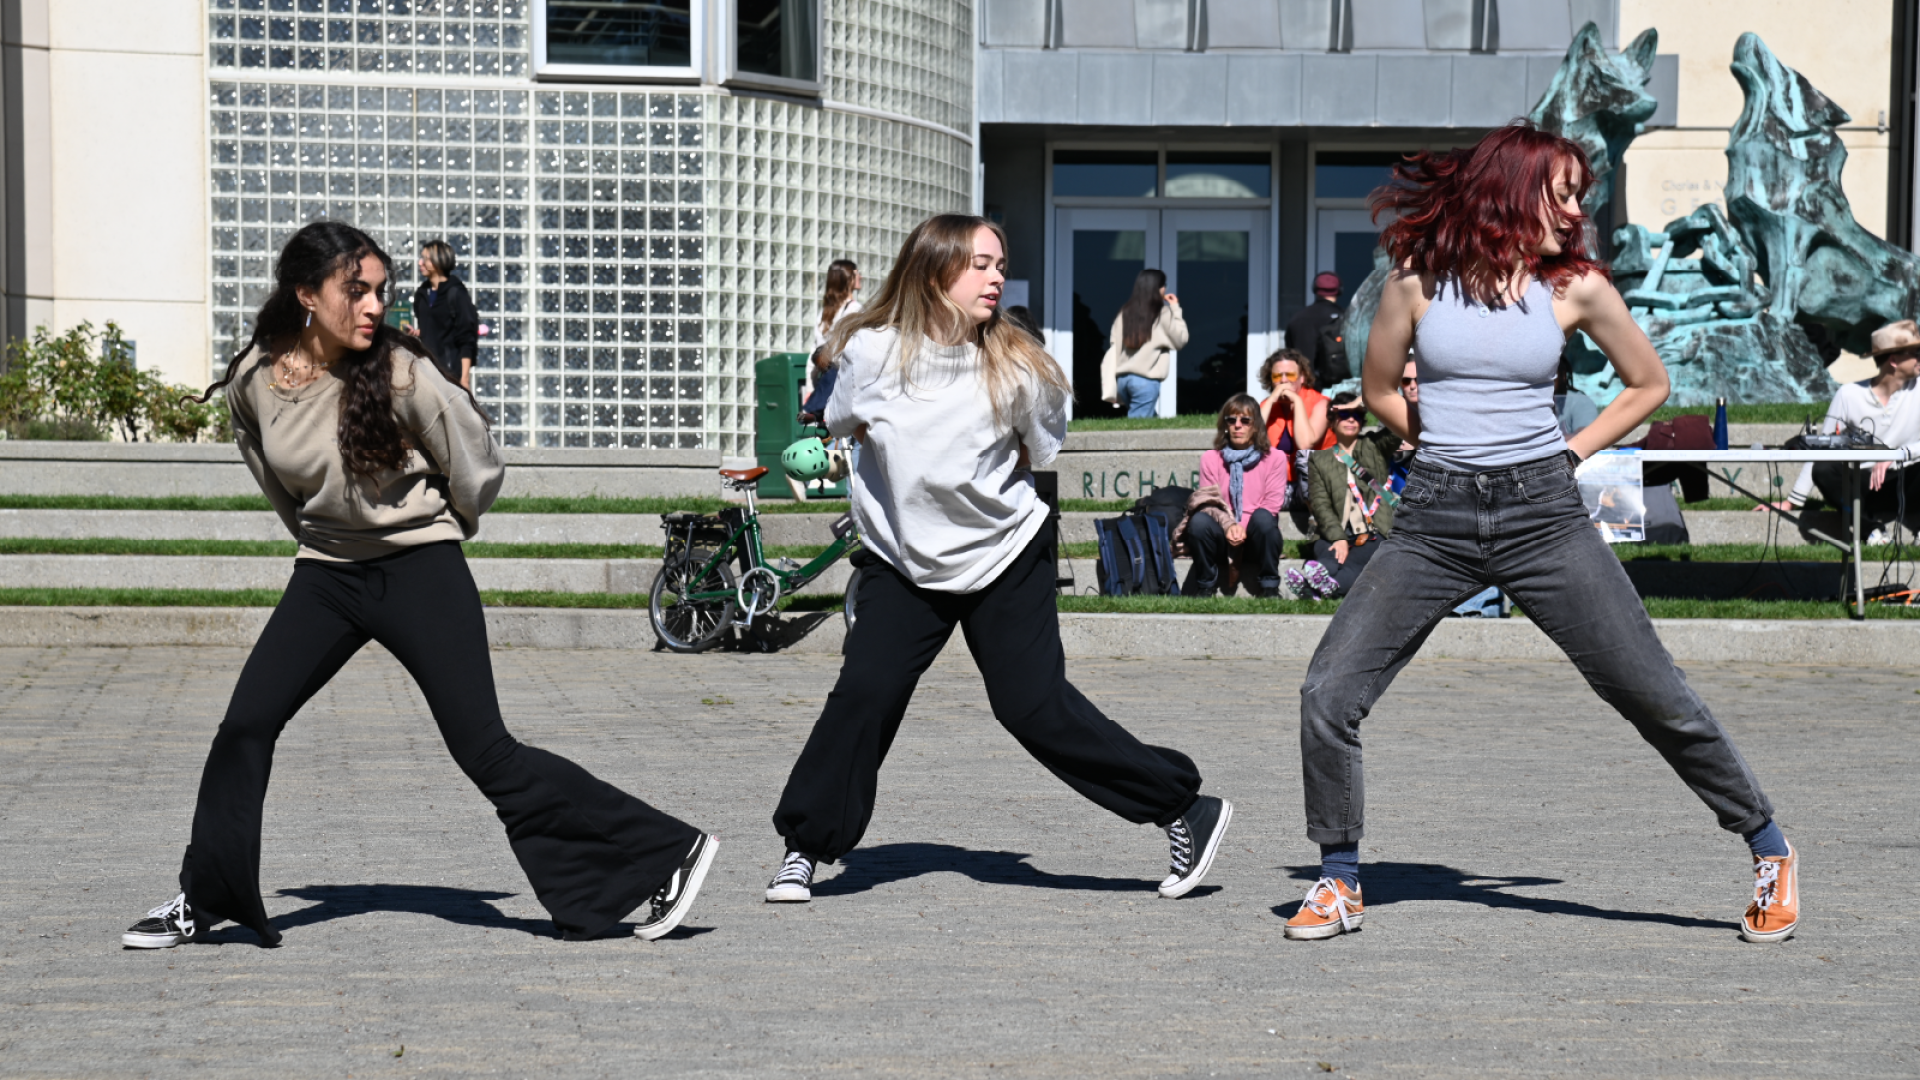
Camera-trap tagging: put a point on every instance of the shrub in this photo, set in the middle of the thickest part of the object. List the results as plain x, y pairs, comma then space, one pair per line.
83, 384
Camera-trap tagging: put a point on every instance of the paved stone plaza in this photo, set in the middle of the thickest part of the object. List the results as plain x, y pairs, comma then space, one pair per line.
1545, 898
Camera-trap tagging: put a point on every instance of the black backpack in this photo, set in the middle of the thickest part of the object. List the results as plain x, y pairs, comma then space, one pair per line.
1168, 502
1330, 363
1136, 555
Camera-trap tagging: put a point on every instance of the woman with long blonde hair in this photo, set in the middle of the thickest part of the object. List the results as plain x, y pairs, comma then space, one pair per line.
952, 404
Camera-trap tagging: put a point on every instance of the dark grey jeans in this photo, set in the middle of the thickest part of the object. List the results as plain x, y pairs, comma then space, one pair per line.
1524, 529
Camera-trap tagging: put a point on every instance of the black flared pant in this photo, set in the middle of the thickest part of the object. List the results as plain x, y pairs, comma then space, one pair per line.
1013, 630
592, 852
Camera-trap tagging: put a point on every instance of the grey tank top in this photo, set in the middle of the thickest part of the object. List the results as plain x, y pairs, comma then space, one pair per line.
1486, 380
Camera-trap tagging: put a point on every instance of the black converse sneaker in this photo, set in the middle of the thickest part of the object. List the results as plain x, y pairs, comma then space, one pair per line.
675, 898
794, 883
1192, 842
164, 927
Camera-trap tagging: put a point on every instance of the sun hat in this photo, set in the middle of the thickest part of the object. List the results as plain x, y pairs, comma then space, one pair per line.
1896, 337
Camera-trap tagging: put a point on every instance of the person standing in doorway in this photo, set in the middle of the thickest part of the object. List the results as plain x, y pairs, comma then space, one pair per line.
1490, 279
952, 406
1146, 334
444, 318
380, 467
1311, 331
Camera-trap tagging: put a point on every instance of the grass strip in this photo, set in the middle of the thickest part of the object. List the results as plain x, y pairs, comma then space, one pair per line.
1114, 605
1297, 549
286, 549
522, 505
124, 502
139, 598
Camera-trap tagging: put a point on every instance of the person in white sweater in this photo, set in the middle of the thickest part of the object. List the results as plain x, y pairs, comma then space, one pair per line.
1146, 333
951, 405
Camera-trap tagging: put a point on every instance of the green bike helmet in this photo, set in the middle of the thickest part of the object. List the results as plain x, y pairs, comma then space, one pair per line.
806, 460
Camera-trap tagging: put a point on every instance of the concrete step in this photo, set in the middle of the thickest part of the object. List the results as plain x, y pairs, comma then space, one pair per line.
1705, 526
242, 572
1820, 644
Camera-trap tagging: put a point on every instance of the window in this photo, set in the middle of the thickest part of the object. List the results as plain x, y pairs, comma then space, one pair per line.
1127, 174
1351, 174
636, 39
1213, 174
776, 43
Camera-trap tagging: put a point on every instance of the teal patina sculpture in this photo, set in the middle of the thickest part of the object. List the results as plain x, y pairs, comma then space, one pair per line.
1784, 160
1727, 299
1787, 256
1599, 100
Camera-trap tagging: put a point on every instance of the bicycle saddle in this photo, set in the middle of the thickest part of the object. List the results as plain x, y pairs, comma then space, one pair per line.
744, 476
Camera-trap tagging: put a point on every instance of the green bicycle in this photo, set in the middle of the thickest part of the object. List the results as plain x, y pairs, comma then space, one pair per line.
714, 574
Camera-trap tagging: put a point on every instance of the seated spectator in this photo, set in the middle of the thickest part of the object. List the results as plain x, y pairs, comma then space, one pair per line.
1352, 504
1296, 416
1399, 452
1233, 521
1574, 409
1887, 407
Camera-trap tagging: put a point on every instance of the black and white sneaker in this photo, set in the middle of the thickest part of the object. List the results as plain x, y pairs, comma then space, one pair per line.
164, 927
675, 898
1192, 842
794, 883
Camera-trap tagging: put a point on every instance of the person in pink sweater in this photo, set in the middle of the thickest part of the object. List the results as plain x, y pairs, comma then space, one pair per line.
1251, 481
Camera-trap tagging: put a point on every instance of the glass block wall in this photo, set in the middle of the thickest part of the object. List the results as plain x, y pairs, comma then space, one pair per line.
633, 249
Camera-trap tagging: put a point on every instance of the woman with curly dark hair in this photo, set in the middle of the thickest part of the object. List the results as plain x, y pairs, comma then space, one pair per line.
1491, 277
380, 467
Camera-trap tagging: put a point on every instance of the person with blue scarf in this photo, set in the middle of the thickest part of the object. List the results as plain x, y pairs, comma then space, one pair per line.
1233, 526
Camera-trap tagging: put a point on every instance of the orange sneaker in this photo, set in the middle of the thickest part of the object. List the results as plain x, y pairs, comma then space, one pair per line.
1775, 910
1330, 908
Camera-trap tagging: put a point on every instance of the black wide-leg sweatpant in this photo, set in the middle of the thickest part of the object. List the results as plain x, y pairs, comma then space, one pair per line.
1013, 631
592, 852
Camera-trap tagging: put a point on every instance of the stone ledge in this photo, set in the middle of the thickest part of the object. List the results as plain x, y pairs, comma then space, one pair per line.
1828, 643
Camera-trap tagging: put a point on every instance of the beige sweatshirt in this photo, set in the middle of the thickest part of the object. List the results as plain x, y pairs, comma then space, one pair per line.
1169, 334
289, 439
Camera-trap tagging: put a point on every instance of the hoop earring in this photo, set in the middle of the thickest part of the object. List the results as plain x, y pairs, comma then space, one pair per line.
309, 318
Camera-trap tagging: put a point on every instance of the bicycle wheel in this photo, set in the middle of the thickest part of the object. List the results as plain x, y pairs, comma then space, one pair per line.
853, 587
690, 626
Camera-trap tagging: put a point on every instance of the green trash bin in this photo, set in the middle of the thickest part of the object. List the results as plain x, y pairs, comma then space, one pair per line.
777, 380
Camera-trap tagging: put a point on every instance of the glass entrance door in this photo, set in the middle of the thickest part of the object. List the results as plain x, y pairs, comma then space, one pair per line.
1101, 252
1219, 270
1215, 261
1346, 241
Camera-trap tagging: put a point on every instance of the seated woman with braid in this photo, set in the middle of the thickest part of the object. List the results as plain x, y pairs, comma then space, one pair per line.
1350, 493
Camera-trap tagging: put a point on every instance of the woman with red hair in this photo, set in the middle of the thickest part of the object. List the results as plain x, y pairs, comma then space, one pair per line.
1492, 275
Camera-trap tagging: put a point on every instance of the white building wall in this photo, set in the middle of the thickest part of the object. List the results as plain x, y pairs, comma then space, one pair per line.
124, 226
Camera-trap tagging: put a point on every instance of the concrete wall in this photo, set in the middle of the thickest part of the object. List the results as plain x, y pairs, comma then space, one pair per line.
109, 217
1843, 47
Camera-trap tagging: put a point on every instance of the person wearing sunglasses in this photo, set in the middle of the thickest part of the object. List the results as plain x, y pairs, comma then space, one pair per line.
1296, 416
1232, 530
1352, 502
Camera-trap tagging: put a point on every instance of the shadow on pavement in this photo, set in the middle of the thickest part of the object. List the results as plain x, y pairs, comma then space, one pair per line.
868, 868
1386, 883
467, 907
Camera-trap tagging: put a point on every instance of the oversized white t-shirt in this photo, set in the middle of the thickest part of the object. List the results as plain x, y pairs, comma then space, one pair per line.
937, 493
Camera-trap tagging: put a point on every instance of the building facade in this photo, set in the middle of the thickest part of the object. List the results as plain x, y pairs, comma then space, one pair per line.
642, 197
1232, 143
